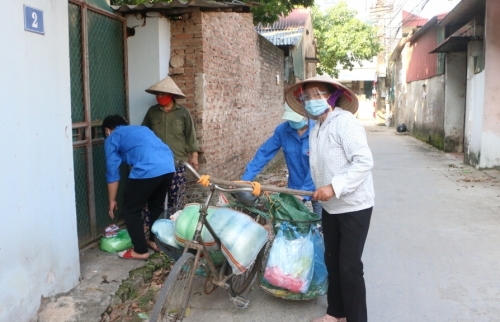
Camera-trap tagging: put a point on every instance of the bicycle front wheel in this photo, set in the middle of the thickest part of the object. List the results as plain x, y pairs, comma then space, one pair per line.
174, 297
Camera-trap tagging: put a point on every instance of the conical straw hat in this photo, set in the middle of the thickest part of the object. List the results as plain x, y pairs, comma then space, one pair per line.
347, 101
166, 85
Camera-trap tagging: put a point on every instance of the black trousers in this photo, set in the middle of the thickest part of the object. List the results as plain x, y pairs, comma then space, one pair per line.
345, 236
138, 192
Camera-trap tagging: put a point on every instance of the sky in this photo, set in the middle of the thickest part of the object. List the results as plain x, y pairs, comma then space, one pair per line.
431, 9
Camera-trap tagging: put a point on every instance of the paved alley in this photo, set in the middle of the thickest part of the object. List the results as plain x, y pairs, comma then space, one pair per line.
431, 253
432, 250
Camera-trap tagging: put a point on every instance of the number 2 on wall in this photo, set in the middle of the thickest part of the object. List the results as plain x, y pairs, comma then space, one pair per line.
35, 20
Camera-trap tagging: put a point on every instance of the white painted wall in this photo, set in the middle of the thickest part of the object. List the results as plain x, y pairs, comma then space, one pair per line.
148, 61
38, 235
490, 139
474, 106
423, 111
454, 113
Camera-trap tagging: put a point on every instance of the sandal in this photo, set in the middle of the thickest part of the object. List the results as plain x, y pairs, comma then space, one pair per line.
127, 254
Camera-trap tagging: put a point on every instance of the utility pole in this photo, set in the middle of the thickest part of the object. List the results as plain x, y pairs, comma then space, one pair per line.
381, 13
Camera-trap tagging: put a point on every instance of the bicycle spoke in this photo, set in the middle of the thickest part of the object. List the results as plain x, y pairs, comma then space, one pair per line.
174, 298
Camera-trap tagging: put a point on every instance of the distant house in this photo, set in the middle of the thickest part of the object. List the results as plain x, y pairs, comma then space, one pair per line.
446, 82
471, 33
417, 85
360, 79
294, 35
394, 25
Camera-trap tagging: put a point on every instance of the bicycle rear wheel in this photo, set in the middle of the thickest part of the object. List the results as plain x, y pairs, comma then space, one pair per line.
239, 283
174, 297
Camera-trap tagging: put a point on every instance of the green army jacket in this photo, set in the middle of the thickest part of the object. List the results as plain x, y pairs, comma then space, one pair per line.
175, 128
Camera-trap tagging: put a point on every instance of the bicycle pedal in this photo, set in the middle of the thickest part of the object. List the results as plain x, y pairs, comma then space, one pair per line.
241, 302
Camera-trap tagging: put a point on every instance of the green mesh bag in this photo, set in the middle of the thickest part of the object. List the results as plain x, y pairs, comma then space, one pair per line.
284, 207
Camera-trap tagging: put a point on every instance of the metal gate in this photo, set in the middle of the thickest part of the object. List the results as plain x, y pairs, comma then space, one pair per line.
98, 88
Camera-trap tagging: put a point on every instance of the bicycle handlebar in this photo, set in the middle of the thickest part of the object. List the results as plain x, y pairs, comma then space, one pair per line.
198, 176
245, 186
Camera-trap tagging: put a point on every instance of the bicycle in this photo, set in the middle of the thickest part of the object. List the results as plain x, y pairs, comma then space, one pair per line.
176, 291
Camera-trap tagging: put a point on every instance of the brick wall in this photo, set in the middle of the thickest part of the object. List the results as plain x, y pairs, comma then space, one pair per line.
229, 78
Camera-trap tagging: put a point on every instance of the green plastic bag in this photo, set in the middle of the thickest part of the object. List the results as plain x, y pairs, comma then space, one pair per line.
118, 243
284, 207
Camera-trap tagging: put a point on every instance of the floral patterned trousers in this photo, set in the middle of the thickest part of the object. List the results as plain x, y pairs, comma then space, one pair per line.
176, 196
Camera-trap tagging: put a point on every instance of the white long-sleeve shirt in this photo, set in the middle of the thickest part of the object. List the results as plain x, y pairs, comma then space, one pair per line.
340, 156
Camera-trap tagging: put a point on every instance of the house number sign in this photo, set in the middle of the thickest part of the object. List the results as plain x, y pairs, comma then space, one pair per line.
33, 20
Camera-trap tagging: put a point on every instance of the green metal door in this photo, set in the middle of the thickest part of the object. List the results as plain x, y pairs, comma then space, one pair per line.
98, 89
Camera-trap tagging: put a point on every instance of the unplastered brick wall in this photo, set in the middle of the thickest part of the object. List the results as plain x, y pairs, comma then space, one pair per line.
229, 75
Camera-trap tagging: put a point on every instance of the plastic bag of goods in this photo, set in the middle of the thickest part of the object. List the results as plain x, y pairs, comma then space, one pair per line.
287, 208
164, 229
241, 237
320, 277
117, 243
291, 261
185, 226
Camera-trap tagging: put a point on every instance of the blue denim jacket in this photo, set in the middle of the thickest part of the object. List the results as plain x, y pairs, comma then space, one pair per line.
296, 151
140, 148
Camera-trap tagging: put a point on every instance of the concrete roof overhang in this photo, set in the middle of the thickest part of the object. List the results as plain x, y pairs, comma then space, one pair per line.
454, 44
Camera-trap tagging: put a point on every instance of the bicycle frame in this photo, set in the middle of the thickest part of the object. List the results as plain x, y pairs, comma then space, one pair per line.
181, 283
218, 276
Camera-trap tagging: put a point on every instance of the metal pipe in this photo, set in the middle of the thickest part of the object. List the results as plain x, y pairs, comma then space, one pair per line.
242, 186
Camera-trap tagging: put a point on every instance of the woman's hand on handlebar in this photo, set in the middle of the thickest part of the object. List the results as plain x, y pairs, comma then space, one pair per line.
324, 193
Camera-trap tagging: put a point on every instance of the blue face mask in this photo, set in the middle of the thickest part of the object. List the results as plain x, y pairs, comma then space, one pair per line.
316, 107
298, 125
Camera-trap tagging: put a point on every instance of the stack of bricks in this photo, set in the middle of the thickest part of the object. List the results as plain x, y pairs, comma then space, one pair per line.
229, 75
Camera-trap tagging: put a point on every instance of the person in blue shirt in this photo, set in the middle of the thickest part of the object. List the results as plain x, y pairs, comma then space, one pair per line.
152, 170
293, 137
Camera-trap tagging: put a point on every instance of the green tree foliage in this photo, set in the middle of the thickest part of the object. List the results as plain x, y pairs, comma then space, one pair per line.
266, 12
342, 39
270, 11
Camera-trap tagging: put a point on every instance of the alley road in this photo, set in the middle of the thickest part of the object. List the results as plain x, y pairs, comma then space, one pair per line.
432, 252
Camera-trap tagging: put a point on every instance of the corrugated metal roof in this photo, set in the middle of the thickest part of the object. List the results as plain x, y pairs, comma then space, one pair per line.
283, 37
177, 6
296, 19
288, 30
422, 65
431, 23
412, 20
434, 21
457, 42
453, 44
464, 12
